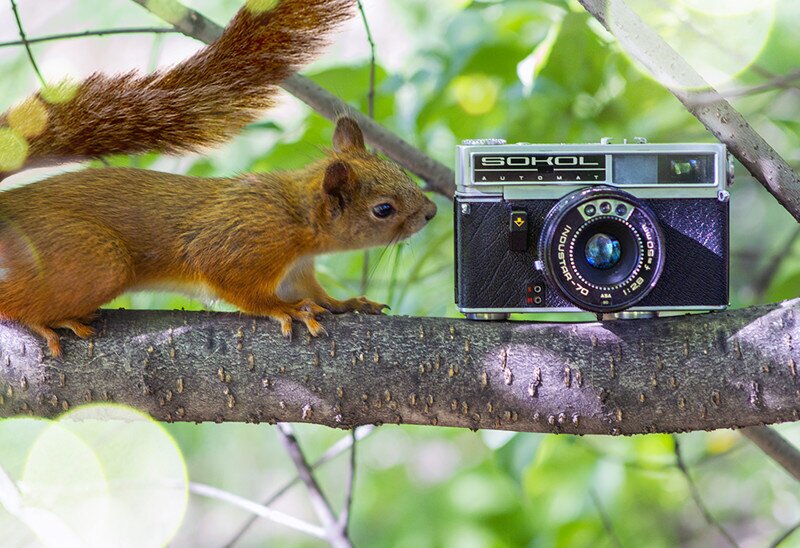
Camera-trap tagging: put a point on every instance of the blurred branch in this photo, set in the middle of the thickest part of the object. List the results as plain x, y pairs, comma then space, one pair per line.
776, 447
706, 104
26, 43
605, 519
785, 535
257, 509
371, 93
90, 33
371, 113
333, 532
786, 81
344, 516
698, 500
333, 451
763, 279
438, 177
728, 369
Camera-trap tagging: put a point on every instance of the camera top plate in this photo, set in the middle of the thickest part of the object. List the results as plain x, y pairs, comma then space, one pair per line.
523, 171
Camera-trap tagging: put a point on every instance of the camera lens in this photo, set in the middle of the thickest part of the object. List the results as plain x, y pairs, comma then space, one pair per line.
603, 251
603, 263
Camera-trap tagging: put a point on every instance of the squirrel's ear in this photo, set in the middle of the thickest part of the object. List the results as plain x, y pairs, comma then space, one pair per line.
337, 185
348, 135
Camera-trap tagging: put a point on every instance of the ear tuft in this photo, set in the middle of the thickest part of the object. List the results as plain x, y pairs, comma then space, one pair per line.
348, 135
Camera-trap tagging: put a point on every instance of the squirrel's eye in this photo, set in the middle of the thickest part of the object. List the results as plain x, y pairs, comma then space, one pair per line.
381, 211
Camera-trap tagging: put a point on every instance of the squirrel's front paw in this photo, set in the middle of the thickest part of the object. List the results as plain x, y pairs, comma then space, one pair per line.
364, 306
304, 311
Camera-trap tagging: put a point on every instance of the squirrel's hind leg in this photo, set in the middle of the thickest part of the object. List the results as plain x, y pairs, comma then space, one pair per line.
50, 336
76, 326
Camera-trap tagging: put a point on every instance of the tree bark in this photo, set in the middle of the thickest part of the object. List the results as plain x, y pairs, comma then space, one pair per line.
723, 370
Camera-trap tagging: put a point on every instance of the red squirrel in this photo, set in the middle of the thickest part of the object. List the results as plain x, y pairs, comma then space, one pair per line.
70, 243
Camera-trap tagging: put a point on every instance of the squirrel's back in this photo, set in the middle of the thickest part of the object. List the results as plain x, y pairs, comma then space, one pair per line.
202, 101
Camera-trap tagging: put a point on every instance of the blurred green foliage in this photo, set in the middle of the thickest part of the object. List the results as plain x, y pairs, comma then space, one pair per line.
524, 70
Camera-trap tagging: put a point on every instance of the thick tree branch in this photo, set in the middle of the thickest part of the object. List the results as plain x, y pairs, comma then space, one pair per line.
699, 98
724, 370
439, 178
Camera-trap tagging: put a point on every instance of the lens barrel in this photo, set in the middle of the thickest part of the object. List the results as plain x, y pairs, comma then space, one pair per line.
602, 249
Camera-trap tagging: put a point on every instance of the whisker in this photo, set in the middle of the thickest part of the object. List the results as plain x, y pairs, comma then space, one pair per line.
391, 243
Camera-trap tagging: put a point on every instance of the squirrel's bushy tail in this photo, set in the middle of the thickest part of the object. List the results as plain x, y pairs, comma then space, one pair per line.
203, 101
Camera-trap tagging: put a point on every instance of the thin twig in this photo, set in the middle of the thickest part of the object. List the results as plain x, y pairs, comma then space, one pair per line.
371, 114
776, 447
371, 94
785, 81
785, 535
333, 451
91, 33
26, 43
605, 518
763, 280
257, 509
344, 516
695, 492
322, 507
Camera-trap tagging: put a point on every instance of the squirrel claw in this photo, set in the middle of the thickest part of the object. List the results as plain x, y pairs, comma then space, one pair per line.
304, 311
365, 306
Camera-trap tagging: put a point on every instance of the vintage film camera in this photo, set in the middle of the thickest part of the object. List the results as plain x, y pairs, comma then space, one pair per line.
621, 230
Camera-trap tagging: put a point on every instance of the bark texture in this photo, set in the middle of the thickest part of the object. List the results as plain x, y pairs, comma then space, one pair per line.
722, 370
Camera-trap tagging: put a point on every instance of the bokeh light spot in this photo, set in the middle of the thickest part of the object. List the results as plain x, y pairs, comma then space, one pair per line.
13, 149
101, 475
29, 118
719, 39
476, 93
260, 6
60, 92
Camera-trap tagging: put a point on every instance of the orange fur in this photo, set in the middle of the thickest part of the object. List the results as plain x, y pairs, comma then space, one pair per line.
73, 242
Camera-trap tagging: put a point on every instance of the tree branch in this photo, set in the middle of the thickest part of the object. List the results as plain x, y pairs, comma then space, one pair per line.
776, 447
26, 43
90, 33
708, 106
724, 370
698, 499
319, 502
256, 509
438, 177
333, 451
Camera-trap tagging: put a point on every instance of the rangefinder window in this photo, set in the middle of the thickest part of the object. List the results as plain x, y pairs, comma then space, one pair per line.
664, 169
686, 170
